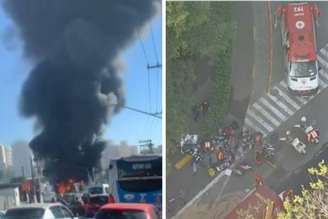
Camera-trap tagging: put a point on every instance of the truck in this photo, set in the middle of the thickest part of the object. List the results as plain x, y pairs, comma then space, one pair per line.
298, 37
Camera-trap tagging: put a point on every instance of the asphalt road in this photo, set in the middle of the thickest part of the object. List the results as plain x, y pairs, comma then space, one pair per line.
315, 111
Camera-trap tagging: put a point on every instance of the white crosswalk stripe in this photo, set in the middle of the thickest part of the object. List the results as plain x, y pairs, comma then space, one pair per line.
273, 109
324, 52
301, 99
251, 125
324, 75
260, 120
269, 112
266, 114
322, 83
289, 100
322, 61
282, 105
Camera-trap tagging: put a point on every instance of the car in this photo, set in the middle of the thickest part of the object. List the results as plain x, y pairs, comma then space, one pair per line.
127, 211
39, 211
94, 203
2, 215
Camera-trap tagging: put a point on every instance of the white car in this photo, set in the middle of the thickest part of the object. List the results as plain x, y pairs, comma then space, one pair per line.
40, 211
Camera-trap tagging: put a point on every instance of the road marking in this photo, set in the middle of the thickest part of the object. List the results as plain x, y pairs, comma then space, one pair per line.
322, 61
266, 114
324, 52
279, 103
273, 109
289, 100
322, 83
324, 74
200, 193
260, 120
251, 125
284, 85
324, 77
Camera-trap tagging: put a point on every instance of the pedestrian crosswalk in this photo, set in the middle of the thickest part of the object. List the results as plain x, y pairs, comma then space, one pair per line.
270, 111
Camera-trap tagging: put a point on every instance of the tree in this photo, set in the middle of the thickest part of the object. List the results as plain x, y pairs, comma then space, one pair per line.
313, 200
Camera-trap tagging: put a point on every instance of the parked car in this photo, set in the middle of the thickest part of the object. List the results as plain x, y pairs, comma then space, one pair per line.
40, 211
2, 215
127, 211
94, 203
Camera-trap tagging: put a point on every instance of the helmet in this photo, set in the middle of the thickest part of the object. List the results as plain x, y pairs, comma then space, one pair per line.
303, 119
288, 132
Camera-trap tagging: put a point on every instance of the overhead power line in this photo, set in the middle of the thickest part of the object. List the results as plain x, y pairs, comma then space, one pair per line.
156, 114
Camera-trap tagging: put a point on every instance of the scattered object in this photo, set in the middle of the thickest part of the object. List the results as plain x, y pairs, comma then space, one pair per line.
228, 172
183, 162
299, 146
211, 172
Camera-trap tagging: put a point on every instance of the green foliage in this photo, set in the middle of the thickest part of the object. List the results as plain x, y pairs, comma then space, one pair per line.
313, 201
196, 30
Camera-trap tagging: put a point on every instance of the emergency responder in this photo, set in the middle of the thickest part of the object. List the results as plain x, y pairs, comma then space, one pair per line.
204, 106
288, 136
220, 155
258, 180
303, 121
207, 146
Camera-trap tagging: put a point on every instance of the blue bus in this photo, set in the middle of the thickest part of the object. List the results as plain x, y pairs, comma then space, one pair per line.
137, 179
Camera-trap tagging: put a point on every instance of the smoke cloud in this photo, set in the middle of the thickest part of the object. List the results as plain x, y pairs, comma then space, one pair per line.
75, 86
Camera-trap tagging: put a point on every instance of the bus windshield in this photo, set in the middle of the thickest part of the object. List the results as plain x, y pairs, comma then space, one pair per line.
303, 69
139, 185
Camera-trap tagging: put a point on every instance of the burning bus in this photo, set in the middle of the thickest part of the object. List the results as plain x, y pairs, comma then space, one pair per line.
298, 31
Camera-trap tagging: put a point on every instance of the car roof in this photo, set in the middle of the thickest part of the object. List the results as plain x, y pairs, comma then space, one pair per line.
128, 206
36, 205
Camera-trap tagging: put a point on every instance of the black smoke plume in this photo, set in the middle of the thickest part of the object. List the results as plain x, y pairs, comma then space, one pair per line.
75, 86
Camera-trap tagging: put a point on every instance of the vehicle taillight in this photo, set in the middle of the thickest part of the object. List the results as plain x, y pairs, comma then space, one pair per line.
111, 199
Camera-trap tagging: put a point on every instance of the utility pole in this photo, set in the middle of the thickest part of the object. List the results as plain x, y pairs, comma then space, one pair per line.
146, 147
39, 181
33, 183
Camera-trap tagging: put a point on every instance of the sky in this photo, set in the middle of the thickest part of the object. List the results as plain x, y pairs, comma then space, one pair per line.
143, 88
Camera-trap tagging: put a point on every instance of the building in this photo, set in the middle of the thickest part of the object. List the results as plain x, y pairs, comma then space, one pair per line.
6, 161
21, 155
3, 160
9, 157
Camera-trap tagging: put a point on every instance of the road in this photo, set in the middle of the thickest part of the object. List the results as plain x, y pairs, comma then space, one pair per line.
184, 185
277, 114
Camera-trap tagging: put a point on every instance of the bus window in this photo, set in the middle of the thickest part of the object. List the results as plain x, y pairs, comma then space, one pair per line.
148, 185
